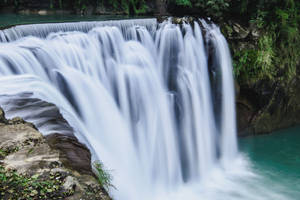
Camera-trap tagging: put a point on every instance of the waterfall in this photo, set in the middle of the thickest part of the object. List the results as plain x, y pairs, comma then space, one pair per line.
140, 94
43, 30
228, 124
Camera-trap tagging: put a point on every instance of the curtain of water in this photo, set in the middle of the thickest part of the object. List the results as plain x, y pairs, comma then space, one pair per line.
138, 93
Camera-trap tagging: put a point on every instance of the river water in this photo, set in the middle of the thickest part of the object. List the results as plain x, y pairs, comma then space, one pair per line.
7, 20
276, 157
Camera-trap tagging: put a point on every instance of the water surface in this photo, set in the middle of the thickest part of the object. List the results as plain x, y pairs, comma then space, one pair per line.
7, 20
276, 158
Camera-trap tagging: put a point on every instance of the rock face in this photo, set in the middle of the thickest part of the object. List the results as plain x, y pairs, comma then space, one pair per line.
266, 104
265, 107
60, 161
73, 154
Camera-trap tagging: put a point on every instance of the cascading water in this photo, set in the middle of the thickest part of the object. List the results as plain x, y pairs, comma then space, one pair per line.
138, 94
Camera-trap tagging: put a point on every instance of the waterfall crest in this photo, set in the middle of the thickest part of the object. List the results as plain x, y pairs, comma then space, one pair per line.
43, 30
137, 92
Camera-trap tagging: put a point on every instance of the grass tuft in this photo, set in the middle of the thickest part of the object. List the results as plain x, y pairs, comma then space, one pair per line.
104, 178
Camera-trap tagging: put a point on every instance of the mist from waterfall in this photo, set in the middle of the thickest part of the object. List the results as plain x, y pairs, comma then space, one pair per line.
153, 101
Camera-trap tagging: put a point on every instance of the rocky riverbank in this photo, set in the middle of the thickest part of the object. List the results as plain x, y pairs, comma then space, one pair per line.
266, 106
37, 167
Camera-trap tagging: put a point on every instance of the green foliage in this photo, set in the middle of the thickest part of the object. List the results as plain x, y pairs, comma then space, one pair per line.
16, 186
253, 64
211, 8
184, 3
138, 6
3, 153
243, 62
265, 53
104, 178
277, 52
216, 7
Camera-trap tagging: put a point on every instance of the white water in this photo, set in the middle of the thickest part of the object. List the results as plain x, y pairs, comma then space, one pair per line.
138, 94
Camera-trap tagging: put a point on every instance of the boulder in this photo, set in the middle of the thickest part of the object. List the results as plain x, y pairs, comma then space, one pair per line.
265, 107
28, 159
73, 154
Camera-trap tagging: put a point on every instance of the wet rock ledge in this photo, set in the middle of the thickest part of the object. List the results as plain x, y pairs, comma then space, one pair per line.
36, 167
